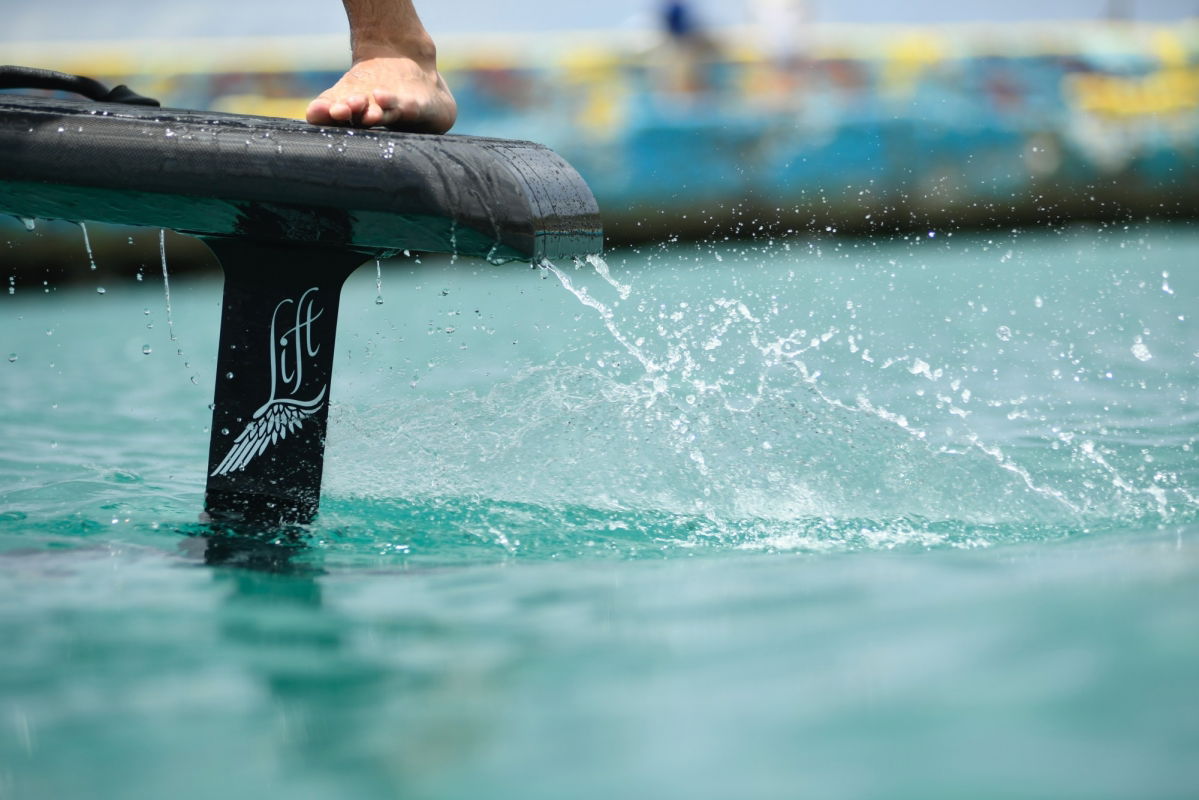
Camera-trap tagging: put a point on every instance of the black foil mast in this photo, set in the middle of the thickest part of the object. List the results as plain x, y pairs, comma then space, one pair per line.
290, 210
274, 371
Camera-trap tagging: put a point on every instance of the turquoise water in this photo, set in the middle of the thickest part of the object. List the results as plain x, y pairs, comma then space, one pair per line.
821, 518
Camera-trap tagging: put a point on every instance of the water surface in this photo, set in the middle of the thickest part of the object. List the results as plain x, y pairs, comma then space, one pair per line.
807, 517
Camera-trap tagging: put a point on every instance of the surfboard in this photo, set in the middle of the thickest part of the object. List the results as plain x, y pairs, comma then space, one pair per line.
290, 210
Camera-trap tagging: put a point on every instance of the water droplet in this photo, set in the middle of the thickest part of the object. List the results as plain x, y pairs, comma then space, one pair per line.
28, 222
1140, 350
146, 350
1003, 333
224, 431
87, 244
12, 357
166, 281
100, 290
228, 374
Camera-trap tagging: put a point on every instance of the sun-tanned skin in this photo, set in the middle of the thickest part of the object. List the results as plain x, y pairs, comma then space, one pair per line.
393, 82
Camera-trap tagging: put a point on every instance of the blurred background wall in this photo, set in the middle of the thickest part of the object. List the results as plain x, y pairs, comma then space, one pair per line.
47, 20
712, 119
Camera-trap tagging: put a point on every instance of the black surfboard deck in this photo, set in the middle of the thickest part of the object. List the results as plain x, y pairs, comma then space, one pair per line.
266, 179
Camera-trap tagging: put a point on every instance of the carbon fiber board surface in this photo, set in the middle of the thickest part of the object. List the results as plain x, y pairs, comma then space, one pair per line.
265, 179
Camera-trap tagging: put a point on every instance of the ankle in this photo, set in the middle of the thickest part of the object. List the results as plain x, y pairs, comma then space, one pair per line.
417, 47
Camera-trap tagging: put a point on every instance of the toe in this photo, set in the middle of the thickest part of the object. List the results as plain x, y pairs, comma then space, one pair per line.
318, 112
372, 116
339, 111
386, 99
395, 110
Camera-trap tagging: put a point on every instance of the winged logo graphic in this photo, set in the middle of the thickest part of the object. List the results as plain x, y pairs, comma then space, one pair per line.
283, 412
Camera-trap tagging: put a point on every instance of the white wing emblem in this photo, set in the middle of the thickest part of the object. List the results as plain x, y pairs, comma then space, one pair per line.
282, 413
270, 423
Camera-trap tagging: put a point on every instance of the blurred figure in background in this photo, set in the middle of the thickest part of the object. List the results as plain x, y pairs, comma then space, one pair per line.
679, 20
393, 81
783, 30
686, 48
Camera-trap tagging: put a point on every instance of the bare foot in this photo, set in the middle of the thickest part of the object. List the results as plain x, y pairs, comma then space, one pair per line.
388, 90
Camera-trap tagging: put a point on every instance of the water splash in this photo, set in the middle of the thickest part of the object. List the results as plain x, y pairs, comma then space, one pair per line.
1092, 453
1140, 350
1004, 463
87, 244
166, 281
194, 379
689, 370
784, 394
601, 268
606, 316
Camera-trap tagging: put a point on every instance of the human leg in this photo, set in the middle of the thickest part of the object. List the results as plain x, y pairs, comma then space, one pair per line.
393, 81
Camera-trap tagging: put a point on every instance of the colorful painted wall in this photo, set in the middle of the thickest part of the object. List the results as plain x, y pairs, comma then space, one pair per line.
845, 126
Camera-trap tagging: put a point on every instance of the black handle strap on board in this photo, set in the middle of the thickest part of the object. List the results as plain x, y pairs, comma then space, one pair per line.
290, 210
14, 77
